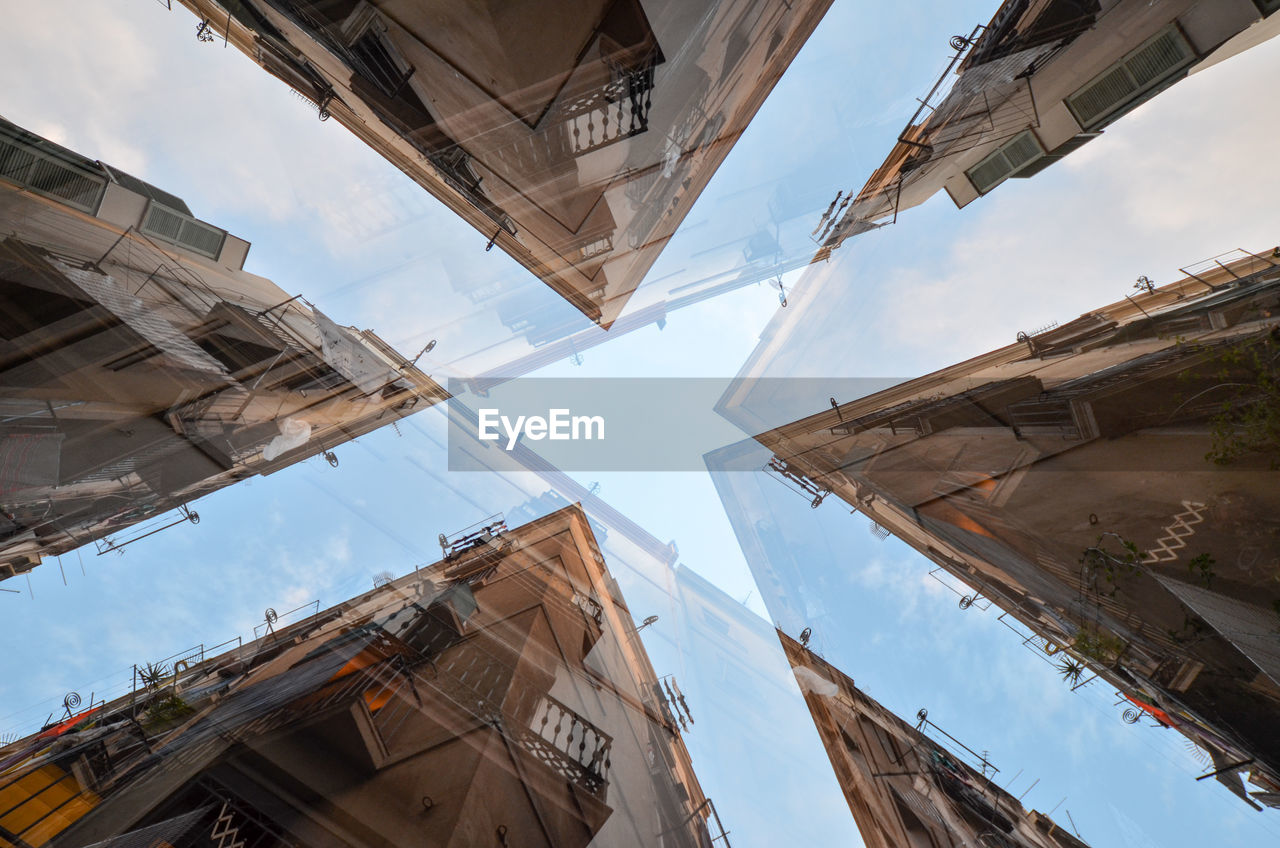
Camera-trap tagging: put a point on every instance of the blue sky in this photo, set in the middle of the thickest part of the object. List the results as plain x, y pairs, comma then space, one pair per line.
1175, 182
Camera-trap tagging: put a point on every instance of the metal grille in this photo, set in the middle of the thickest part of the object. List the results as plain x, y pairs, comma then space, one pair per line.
131, 311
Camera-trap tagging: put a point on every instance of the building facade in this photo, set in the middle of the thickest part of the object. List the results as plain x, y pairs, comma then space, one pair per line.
574, 134
1038, 82
905, 789
1111, 483
498, 697
141, 367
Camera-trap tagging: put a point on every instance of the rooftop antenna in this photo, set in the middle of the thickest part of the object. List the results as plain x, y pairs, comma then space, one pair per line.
648, 621
782, 290
779, 469
427, 348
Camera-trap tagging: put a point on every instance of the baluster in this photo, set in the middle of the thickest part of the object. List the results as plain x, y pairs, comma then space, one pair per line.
559, 725
542, 727
648, 89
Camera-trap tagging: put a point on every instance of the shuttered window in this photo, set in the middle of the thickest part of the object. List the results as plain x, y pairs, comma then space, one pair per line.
1132, 80
183, 230
38, 170
1005, 161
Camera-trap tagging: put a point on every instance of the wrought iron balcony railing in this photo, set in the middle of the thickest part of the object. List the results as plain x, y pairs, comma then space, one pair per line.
615, 111
569, 744
479, 683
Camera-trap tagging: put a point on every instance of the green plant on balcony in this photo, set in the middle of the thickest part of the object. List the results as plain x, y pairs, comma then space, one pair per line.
1097, 560
1193, 630
1201, 569
1098, 645
1248, 420
166, 710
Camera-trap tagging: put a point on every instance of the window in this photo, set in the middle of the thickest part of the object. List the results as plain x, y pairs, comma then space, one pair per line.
1131, 81
371, 57
183, 230
32, 309
44, 172
1009, 158
236, 354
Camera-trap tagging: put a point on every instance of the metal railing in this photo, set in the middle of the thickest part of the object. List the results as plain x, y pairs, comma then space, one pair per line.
567, 743
107, 544
1239, 264
479, 683
626, 98
796, 481
271, 618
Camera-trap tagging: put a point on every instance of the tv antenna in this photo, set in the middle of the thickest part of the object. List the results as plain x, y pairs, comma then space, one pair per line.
649, 620
427, 348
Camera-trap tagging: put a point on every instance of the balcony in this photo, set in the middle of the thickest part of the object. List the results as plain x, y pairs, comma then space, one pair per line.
568, 744
473, 684
615, 111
